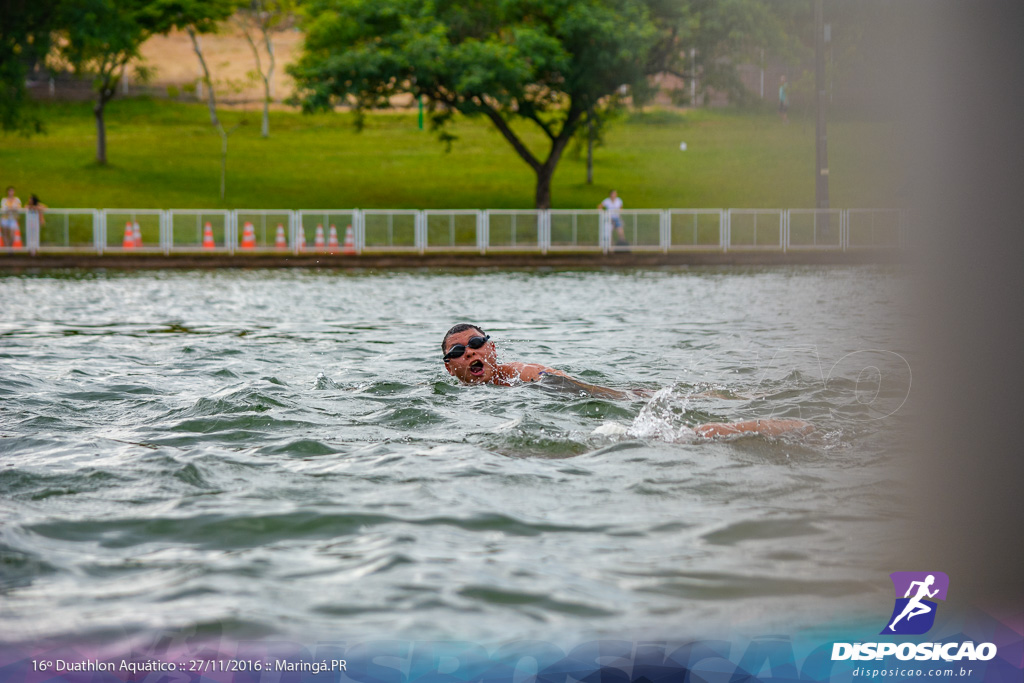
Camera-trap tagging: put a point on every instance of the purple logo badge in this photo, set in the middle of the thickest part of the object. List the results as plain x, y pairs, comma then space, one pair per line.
916, 592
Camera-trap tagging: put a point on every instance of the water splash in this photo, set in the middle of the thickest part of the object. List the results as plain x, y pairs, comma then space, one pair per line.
663, 417
322, 381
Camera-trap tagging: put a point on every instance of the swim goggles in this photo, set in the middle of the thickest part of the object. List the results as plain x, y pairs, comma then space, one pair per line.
459, 349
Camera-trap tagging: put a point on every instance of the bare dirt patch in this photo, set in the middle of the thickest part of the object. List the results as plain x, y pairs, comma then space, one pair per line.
231, 62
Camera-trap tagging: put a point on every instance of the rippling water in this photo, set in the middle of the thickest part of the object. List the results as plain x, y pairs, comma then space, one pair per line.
281, 452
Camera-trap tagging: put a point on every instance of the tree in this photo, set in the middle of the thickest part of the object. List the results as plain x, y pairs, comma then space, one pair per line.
101, 37
264, 16
591, 133
545, 62
211, 103
24, 41
723, 34
202, 16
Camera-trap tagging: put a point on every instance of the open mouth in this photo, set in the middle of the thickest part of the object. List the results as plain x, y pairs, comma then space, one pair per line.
476, 368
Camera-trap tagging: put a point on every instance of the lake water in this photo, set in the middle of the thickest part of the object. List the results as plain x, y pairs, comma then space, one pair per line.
282, 453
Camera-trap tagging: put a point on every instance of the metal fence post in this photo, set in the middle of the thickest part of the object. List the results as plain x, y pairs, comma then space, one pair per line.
31, 230
233, 215
479, 230
99, 231
727, 229
784, 230
665, 235
420, 231
165, 242
485, 239
292, 242
544, 230
844, 229
359, 226
606, 234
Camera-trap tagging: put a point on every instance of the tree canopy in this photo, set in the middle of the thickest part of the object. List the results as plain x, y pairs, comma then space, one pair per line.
24, 41
100, 38
725, 33
543, 61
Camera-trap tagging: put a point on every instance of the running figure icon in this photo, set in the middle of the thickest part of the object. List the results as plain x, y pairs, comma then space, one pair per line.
915, 607
916, 595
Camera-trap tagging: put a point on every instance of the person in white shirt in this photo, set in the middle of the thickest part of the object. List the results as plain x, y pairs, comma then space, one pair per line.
9, 208
613, 204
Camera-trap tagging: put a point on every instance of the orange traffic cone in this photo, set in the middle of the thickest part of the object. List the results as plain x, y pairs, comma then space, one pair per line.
137, 234
318, 241
208, 242
17, 237
248, 236
129, 236
280, 242
302, 239
350, 241
1, 239
332, 240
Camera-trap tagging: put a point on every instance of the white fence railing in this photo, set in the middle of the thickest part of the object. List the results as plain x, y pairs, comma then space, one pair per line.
357, 231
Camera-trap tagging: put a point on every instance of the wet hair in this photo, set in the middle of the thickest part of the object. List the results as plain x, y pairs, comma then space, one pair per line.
461, 327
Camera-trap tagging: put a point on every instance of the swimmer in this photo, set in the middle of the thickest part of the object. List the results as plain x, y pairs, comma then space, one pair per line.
471, 357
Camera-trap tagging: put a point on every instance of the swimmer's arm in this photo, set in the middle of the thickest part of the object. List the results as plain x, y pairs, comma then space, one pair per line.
592, 389
513, 373
532, 372
763, 427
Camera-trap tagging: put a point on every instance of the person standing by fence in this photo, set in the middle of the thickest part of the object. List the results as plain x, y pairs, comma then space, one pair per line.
9, 208
613, 205
34, 220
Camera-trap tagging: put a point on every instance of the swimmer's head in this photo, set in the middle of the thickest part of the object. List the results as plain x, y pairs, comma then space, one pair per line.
468, 364
461, 327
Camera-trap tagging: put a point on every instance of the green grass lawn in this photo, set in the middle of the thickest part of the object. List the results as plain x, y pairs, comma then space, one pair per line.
166, 155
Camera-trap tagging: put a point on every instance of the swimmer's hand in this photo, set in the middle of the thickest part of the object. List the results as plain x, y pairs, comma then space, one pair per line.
762, 427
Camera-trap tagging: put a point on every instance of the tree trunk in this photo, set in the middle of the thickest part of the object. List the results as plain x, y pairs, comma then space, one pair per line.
543, 194
211, 103
268, 81
546, 172
101, 132
257, 15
